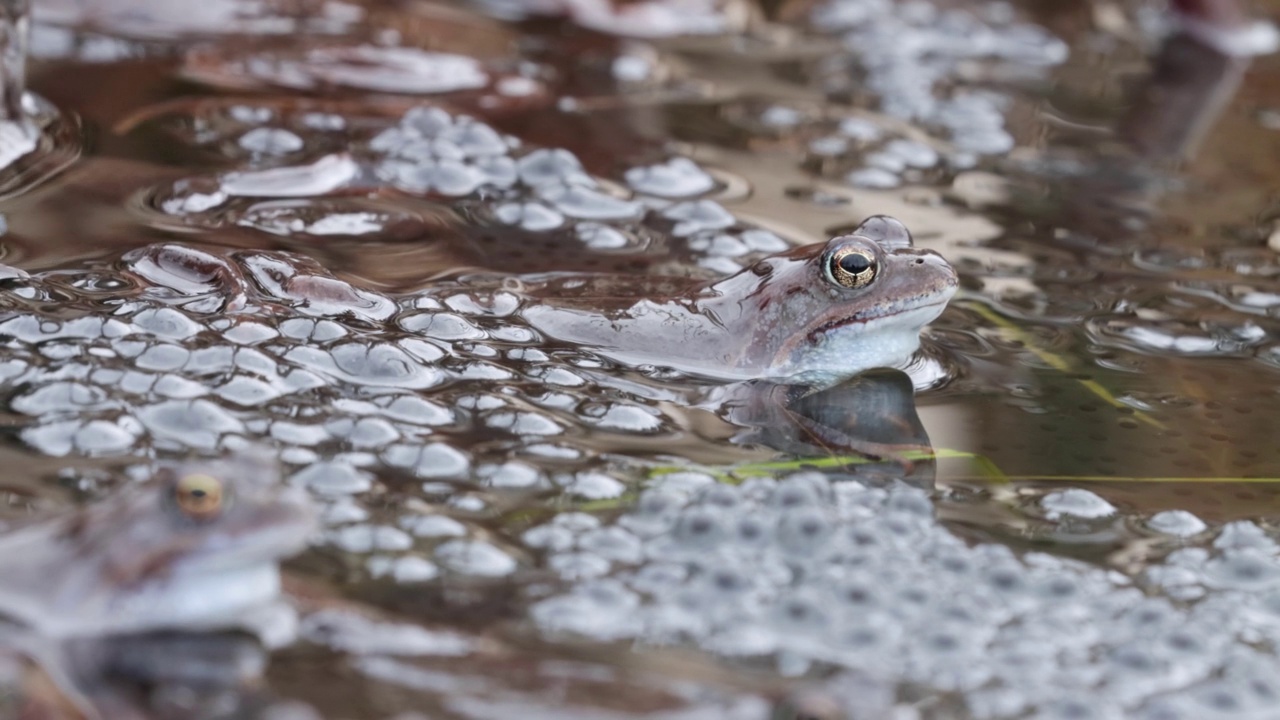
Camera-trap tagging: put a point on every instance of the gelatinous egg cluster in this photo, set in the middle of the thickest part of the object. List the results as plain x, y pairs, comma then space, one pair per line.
298, 188
174, 349
812, 573
915, 56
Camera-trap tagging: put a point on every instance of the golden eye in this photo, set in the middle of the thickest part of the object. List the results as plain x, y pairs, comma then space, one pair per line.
851, 267
198, 496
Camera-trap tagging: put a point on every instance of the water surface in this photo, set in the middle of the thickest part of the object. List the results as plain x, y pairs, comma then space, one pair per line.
535, 530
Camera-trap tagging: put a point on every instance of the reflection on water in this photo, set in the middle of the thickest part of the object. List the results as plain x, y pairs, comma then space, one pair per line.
35, 140
872, 415
292, 228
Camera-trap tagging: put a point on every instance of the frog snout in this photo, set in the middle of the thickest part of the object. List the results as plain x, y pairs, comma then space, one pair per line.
930, 262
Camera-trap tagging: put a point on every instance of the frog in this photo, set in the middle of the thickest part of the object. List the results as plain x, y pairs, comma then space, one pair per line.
815, 314
195, 548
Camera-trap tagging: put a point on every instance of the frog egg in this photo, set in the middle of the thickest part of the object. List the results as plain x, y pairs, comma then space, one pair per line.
594, 486
365, 538
59, 397
270, 141
475, 557
655, 512
1244, 534
1242, 569
318, 331
1078, 708
106, 437
433, 460
578, 565
867, 641
679, 177
440, 326
333, 479
298, 433
512, 474
780, 116
414, 410
474, 138
196, 424
700, 529
750, 530
698, 216
425, 122
492, 304
97, 437
1076, 503
584, 203
687, 483
629, 418
800, 490
549, 537
801, 613
1178, 523
874, 178
433, 526
165, 323
531, 216
912, 153
947, 657
601, 609
660, 579
372, 364
860, 129
524, 423
249, 333
725, 581
859, 594
803, 530
446, 176
603, 237
720, 495
613, 543
552, 167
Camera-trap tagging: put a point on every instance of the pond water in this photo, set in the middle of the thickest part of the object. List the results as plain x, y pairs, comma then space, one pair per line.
297, 224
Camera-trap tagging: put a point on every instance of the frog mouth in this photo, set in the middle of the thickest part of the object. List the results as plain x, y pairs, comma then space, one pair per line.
933, 302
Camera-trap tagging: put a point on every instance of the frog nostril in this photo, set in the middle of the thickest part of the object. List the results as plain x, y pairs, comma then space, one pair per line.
919, 261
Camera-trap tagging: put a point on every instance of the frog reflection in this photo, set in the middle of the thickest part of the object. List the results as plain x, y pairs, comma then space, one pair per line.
872, 415
1194, 76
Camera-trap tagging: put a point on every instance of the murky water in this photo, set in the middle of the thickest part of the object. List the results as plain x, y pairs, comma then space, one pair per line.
291, 224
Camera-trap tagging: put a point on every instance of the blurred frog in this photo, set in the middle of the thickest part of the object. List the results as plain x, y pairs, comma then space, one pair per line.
194, 549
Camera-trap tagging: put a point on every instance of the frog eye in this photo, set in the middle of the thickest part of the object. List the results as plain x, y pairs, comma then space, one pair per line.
851, 267
199, 497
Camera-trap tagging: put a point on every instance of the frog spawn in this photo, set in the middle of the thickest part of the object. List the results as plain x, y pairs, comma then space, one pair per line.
334, 375
162, 348
429, 152
846, 576
913, 53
